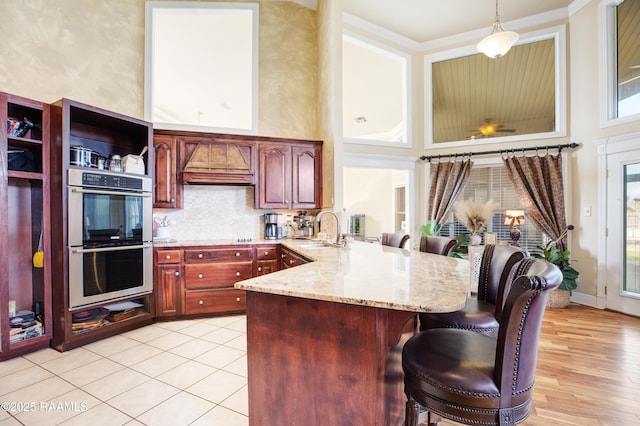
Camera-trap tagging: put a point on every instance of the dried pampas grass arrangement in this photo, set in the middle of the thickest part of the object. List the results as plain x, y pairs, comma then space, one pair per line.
474, 215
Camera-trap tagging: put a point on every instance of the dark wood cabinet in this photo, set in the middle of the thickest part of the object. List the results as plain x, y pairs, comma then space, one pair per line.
107, 133
267, 259
168, 283
291, 259
25, 221
290, 176
167, 192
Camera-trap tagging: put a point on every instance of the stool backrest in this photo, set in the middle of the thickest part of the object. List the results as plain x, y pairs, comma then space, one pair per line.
530, 280
496, 263
437, 244
397, 239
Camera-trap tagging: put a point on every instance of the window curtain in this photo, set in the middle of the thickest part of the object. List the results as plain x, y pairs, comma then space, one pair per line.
538, 182
446, 182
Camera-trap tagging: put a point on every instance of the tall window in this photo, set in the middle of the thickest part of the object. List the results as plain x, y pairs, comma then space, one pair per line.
400, 208
492, 183
201, 66
375, 93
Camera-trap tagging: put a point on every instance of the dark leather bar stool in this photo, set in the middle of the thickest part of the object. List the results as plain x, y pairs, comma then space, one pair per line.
437, 244
475, 379
482, 313
397, 239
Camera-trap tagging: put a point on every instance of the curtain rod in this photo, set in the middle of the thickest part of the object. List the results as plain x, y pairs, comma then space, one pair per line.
502, 151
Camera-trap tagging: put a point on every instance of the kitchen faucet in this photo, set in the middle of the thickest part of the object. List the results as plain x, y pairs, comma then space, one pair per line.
337, 222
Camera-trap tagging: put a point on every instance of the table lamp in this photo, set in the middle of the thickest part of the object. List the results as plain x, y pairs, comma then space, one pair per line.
514, 218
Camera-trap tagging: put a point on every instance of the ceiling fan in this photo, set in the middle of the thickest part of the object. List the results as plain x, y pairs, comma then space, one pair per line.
488, 129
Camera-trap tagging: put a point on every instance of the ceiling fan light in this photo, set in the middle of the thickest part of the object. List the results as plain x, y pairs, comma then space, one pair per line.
497, 44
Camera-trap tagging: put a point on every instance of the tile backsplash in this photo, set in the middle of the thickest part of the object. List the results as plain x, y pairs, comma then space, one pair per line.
215, 212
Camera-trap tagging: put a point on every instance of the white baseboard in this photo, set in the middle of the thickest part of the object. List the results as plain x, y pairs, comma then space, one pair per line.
588, 300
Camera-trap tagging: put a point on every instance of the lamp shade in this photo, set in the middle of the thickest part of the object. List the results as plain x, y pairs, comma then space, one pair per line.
497, 43
514, 217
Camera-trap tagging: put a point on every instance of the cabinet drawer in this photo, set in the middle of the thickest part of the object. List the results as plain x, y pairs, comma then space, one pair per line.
218, 255
266, 252
212, 275
266, 267
208, 301
168, 256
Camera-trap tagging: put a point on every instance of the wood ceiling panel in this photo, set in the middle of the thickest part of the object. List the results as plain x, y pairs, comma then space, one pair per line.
516, 91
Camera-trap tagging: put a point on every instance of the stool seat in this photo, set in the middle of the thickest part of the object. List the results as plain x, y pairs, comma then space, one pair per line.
455, 365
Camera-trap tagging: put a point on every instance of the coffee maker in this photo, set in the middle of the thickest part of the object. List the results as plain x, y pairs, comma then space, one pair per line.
272, 226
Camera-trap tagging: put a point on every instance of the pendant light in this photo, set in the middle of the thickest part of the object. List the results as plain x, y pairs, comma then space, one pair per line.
499, 42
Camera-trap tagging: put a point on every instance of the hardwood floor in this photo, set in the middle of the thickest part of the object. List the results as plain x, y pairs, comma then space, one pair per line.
588, 369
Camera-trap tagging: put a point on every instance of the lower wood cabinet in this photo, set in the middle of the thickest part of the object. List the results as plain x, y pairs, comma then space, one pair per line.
199, 280
290, 259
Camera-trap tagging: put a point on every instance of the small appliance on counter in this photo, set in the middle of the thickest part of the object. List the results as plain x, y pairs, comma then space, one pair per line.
272, 226
303, 225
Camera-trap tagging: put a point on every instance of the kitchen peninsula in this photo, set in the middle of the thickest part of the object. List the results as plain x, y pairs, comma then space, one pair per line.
324, 339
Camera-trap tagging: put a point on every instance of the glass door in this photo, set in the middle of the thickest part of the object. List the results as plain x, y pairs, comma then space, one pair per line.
623, 242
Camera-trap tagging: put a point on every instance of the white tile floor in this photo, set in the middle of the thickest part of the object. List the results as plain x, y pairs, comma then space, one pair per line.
191, 372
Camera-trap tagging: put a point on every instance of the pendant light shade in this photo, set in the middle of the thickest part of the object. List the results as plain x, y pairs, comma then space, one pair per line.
499, 42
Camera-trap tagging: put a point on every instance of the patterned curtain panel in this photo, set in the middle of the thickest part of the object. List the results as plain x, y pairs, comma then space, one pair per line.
539, 185
446, 181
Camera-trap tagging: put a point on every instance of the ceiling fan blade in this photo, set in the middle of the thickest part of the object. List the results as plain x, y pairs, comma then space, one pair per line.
506, 130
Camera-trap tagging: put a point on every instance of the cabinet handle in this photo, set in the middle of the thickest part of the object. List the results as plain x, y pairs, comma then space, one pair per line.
291, 262
266, 253
173, 200
283, 255
177, 274
168, 257
201, 302
200, 276
237, 299
237, 274
259, 268
200, 255
237, 254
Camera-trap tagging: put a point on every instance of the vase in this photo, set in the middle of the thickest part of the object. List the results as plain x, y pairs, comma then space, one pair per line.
559, 299
475, 239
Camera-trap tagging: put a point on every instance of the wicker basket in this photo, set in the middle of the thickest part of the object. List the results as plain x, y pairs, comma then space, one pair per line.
559, 299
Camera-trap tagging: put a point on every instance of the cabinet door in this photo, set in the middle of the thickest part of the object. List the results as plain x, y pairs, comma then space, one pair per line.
306, 172
274, 179
167, 192
168, 290
266, 267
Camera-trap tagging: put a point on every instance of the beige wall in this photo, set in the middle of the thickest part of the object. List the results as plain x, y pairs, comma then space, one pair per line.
92, 51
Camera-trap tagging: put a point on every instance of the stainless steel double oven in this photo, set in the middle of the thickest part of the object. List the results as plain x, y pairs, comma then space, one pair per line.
110, 234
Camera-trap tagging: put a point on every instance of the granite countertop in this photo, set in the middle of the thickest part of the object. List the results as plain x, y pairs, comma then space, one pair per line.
218, 242
370, 275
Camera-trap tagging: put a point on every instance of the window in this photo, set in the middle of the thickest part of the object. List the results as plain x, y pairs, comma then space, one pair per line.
375, 93
521, 96
491, 182
400, 208
201, 66
621, 99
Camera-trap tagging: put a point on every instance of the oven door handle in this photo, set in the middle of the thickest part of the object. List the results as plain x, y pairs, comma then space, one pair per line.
102, 249
97, 191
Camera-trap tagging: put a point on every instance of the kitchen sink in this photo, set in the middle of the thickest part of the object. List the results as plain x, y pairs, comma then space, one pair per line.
313, 245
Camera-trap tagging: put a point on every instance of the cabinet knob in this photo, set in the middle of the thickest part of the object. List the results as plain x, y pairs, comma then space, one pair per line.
200, 276
177, 274
291, 262
173, 200
200, 255
237, 254
200, 302
259, 268
237, 274
266, 253
168, 257
283, 255
237, 299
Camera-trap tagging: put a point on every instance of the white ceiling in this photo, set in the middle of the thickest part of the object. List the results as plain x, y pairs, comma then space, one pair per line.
425, 20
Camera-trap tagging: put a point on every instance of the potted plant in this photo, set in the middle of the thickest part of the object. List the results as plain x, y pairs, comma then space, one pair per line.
560, 258
433, 228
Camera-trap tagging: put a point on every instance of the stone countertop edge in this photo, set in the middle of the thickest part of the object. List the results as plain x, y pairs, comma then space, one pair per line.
370, 274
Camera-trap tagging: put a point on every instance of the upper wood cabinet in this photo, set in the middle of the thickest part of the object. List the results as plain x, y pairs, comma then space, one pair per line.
289, 176
167, 191
287, 173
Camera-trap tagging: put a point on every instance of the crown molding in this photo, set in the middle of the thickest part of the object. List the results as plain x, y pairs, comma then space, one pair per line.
377, 30
515, 25
576, 5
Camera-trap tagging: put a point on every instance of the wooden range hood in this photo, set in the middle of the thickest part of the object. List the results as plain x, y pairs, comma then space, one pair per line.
217, 162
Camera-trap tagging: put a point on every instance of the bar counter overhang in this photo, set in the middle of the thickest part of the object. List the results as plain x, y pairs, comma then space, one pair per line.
324, 339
